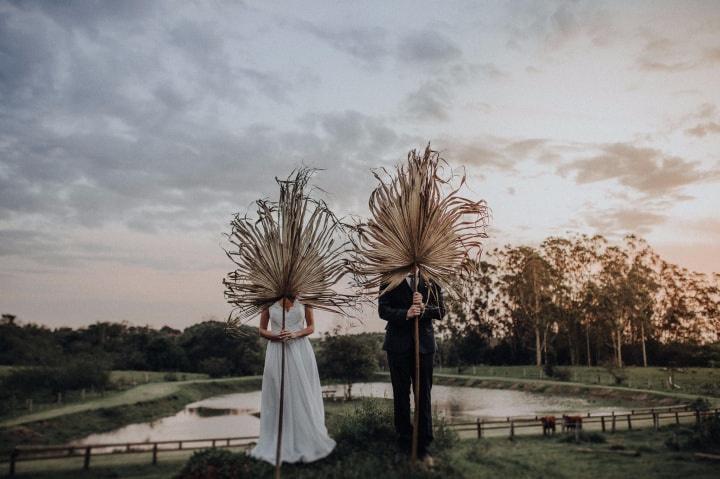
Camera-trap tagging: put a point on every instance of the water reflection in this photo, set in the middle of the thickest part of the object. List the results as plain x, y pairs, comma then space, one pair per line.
235, 415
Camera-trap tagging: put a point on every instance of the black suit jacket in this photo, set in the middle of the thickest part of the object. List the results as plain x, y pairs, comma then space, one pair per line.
393, 306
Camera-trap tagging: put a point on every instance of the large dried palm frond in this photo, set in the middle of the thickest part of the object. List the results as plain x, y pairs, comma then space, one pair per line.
417, 220
296, 248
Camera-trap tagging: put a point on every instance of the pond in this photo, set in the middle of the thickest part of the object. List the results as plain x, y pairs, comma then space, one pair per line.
234, 415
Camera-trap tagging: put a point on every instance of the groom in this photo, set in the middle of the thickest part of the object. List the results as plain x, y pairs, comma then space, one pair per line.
399, 307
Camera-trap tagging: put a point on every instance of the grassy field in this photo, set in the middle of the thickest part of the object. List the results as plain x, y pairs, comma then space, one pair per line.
141, 404
120, 381
120, 378
638, 453
697, 381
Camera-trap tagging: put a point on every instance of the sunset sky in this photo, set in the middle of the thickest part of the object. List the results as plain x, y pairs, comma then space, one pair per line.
130, 132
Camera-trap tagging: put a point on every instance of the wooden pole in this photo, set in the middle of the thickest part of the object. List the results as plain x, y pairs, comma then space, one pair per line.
86, 462
155, 451
13, 458
282, 398
416, 415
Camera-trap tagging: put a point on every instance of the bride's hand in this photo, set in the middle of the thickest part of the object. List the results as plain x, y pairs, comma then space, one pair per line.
285, 336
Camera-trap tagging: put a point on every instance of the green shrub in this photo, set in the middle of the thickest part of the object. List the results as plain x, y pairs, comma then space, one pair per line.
369, 423
699, 404
365, 449
592, 437
216, 367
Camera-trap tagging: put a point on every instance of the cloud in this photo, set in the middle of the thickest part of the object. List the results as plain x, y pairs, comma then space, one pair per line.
702, 129
427, 47
429, 102
553, 26
646, 170
661, 54
617, 221
369, 45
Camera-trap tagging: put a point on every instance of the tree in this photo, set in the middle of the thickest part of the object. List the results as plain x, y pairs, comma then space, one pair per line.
209, 339
348, 358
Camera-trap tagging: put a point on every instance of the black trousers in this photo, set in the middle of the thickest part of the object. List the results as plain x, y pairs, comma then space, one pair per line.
402, 375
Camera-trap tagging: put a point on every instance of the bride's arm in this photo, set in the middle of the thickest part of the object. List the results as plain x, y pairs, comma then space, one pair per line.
310, 320
264, 331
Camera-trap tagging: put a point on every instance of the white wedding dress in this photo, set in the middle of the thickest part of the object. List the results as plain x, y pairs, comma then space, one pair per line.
304, 436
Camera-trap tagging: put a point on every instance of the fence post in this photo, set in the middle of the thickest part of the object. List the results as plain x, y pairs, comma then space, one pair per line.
677, 418
86, 462
613, 422
512, 429
629, 422
602, 423
155, 451
13, 458
479, 428
656, 421
179, 444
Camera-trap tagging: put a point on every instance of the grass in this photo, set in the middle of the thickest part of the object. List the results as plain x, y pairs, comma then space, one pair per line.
694, 381
142, 393
122, 378
366, 451
73, 401
136, 406
532, 457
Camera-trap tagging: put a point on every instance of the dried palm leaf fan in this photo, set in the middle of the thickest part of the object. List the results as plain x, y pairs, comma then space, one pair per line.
418, 225
295, 248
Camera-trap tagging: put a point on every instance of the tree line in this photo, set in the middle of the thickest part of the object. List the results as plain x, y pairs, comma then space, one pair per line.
203, 348
581, 300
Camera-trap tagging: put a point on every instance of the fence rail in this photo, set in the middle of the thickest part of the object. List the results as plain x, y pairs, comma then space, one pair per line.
608, 422
481, 427
86, 451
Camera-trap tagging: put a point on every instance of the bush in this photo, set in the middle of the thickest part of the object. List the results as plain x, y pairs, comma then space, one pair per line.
43, 381
699, 404
365, 449
216, 367
367, 424
222, 464
705, 436
592, 437
348, 358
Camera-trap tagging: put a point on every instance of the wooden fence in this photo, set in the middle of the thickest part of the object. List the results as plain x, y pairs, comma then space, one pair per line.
86, 451
607, 423
604, 422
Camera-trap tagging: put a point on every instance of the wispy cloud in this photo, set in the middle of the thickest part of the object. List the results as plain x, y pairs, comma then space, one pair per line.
646, 170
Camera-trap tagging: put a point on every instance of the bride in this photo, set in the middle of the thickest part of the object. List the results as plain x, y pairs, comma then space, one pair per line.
304, 436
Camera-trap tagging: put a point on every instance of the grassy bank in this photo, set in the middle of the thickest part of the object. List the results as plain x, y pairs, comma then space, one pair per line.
63, 428
693, 381
597, 395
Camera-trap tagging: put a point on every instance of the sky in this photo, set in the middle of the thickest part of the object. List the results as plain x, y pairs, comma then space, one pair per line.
131, 132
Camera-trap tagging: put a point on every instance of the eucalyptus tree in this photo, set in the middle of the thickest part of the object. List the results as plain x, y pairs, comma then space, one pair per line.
526, 282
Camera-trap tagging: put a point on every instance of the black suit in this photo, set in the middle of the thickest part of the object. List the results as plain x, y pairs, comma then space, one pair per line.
400, 346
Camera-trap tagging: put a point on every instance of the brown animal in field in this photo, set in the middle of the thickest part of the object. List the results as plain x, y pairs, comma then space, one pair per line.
571, 422
548, 424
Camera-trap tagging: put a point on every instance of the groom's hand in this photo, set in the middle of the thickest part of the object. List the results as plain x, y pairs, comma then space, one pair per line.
418, 301
413, 311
